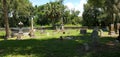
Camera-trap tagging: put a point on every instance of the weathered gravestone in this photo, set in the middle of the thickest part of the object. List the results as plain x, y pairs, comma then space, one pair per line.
42, 30
83, 30
62, 27
95, 37
16, 32
57, 27
117, 42
86, 46
20, 34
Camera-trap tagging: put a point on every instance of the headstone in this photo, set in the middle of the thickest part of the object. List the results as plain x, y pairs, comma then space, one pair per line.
94, 36
62, 27
57, 27
110, 43
20, 34
83, 30
116, 42
86, 46
42, 30
16, 32
31, 34
69, 38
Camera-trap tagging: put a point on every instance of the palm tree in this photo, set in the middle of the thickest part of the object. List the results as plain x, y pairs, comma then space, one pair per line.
55, 11
6, 19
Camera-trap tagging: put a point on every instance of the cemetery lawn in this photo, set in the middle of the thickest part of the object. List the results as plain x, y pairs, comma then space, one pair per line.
47, 44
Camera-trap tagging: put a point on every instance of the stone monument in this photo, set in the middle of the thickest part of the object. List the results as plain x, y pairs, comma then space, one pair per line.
95, 37
20, 33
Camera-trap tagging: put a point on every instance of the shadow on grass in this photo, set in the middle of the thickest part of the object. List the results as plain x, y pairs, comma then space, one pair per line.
56, 48
39, 48
2, 37
103, 50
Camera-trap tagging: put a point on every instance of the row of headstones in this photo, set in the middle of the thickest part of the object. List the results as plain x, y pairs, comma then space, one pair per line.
94, 39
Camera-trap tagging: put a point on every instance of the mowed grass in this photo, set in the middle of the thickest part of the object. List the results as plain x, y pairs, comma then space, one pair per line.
47, 44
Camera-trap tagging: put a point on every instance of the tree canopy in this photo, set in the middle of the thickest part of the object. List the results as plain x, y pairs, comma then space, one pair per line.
109, 11
47, 14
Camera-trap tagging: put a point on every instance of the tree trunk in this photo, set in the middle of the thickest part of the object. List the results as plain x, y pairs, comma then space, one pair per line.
111, 29
32, 29
53, 23
6, 20
117, 28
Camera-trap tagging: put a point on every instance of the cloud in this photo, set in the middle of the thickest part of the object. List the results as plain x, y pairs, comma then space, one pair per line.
77, 6
81, 6
69, 5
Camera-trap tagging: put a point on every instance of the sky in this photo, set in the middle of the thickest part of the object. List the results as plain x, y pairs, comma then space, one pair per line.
71, 4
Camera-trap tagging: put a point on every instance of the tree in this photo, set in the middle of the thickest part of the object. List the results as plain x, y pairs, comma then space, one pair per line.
91, 15
112, 9
56, 13
6, 19
96, 3
72, 17
20, 11
110, 12
55, 10
41, 15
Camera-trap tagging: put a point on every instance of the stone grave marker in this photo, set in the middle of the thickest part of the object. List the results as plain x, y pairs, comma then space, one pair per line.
83, 30
95, 37
86, 46
117, 42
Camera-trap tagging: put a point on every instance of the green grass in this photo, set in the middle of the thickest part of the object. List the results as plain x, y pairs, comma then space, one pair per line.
44, 45
70, 25
67, 25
